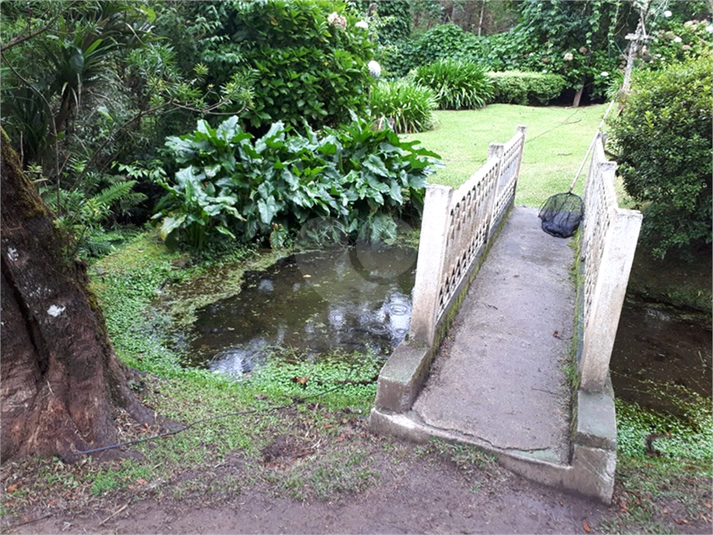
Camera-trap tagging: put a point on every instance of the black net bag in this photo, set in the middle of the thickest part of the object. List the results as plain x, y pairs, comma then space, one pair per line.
561, 214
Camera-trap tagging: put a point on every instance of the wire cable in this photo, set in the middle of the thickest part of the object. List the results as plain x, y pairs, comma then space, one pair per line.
166, 434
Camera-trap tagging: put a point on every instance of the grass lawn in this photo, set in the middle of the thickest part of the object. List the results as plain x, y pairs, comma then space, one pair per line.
556, 142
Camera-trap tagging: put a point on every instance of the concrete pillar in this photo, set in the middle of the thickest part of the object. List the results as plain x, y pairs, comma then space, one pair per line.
522, 130
431, 258
495, 151
608, 297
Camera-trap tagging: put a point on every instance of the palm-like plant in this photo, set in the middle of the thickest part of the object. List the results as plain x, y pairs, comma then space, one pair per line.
80, 54
70, 58
409, 104
459, 85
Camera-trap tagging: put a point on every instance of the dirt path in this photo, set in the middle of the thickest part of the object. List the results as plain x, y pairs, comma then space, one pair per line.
409, 493
356, 483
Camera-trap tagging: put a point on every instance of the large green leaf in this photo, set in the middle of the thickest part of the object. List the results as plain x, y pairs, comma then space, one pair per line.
170, 224
268, 209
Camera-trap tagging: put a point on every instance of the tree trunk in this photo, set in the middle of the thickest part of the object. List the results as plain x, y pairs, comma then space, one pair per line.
480, 19
61, 384
578, 95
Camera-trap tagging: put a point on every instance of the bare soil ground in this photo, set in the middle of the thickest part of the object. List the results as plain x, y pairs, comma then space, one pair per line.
354, 483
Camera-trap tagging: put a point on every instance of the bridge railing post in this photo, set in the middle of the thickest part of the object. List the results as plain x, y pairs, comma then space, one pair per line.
431, 259
509, 173
495, 150
608, 246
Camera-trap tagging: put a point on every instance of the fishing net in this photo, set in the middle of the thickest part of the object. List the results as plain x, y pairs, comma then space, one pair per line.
561, 214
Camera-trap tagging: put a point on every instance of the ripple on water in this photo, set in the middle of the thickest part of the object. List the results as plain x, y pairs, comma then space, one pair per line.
397, 309
315, 303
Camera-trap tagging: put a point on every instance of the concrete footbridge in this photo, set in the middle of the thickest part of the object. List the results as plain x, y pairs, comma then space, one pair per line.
512, 329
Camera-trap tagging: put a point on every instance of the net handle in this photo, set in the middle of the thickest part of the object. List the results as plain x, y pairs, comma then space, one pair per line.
594, 139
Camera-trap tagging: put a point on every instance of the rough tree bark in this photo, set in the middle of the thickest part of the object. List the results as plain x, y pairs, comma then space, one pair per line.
61, 385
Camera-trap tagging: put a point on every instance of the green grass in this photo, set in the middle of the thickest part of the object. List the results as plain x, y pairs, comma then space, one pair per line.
555, 144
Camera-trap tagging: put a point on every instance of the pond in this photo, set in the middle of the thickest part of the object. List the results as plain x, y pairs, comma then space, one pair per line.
340, 301
314, 304
657, 345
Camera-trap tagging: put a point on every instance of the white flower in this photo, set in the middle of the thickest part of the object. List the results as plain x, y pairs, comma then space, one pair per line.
667, 13
709, 28
362, 24
374, 68
568, 56
336, 20
677, 39
604, 74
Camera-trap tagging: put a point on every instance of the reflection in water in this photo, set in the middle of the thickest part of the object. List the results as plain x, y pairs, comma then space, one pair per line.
663, 346
356, 299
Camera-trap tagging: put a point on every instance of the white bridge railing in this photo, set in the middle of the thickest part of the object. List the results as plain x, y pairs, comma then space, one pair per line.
609, 241
456, 226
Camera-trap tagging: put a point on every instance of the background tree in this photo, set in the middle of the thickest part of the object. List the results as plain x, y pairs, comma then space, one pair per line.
62, 386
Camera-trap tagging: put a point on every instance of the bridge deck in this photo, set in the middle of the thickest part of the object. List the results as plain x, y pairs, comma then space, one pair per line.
499, 376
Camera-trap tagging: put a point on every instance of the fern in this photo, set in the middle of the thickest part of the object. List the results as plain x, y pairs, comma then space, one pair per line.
83, 213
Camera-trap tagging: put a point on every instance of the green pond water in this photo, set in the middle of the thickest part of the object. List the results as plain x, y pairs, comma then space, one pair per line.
358, 300
314, 305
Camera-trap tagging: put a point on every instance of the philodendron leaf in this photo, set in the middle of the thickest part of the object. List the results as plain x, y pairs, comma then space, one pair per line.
267, 209
375, 165
171, 223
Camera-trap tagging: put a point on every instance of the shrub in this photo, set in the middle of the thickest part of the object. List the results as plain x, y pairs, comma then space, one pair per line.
266, 188
515, 87
663, 140
409, 104
310, 57
442, 42
449, 41
459, 85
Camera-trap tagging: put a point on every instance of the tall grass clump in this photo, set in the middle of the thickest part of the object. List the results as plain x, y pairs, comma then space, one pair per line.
459, 85
409, 104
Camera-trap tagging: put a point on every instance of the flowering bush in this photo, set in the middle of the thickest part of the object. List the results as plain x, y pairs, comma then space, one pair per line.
678, 41
311, 59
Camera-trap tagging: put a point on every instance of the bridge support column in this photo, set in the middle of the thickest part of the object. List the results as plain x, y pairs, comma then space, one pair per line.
431, 259
608, 298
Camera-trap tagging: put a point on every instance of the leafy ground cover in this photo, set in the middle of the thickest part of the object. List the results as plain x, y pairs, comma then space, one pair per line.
555, 144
